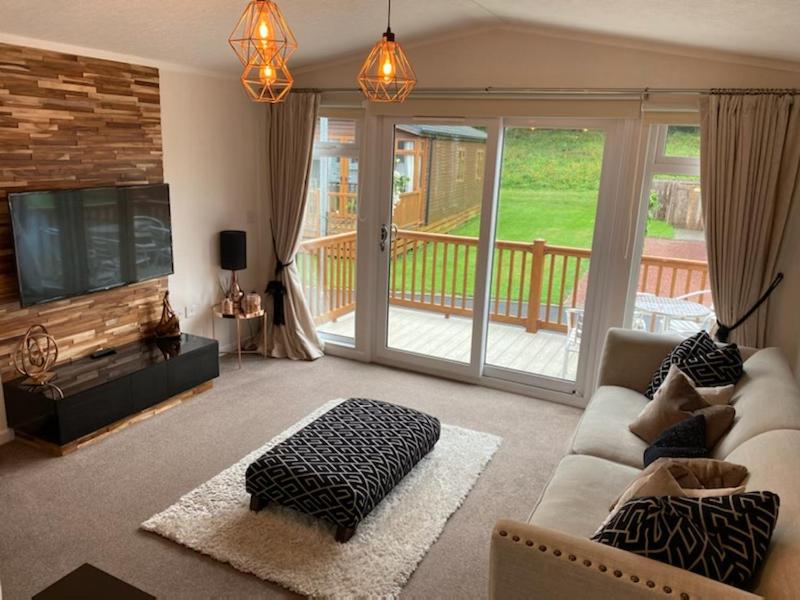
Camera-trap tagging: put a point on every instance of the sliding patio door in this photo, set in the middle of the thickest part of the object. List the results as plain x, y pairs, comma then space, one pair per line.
438, 193
487, 241
545, 226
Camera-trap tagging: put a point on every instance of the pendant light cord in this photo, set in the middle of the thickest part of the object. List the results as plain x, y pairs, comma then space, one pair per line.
389, 17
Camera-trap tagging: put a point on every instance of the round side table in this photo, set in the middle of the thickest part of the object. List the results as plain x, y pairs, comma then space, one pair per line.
216, 313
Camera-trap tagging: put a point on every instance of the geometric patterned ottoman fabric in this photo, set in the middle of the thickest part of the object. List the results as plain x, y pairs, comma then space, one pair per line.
340, 466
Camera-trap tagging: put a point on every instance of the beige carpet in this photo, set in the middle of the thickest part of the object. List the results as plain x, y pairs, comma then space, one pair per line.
58, 513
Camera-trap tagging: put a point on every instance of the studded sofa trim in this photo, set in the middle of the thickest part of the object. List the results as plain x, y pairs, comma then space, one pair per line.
528, 561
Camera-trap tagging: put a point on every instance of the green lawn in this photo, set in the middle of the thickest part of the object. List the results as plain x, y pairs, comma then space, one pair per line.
560, 218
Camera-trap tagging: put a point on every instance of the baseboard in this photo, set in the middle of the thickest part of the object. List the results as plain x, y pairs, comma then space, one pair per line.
6, 435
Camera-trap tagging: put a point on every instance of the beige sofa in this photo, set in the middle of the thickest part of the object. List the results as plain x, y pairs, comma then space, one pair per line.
551, 555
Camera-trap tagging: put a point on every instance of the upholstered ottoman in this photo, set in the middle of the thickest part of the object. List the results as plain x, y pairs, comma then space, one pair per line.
339, 467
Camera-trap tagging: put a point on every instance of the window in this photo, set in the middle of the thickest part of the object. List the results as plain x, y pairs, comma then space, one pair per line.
461, 164
480, 160
682, 141
326, 261
672, 289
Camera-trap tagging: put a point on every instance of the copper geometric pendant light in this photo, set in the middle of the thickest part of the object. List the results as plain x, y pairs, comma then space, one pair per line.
386, 75
263, 41
268, 81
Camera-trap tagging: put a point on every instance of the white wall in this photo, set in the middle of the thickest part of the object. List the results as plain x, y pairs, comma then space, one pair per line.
512, 56
783, 326
213, 153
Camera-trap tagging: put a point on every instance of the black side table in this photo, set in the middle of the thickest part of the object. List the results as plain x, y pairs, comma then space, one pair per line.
90, 583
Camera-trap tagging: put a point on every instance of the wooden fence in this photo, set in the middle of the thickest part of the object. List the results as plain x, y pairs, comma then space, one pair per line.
533, 283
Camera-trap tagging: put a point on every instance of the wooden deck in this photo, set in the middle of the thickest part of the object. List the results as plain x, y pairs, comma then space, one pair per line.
432, 334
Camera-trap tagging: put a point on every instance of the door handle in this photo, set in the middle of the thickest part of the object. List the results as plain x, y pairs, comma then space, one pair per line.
384, 237
394, 232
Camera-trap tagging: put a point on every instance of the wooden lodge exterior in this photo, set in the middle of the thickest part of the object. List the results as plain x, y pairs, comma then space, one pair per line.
438, 179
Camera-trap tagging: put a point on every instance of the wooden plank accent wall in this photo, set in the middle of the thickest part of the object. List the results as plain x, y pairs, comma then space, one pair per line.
71, 122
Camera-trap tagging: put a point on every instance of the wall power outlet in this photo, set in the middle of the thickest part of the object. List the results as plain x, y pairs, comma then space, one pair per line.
191, 310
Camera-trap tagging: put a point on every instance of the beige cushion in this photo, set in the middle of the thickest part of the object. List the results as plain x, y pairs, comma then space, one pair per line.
717, 396
766, 398
675, 401
772, 459
689, 477
577, 498
603, 429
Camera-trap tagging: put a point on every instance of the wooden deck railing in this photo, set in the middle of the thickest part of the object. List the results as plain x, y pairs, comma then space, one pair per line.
533, 283
327, 268
342, 213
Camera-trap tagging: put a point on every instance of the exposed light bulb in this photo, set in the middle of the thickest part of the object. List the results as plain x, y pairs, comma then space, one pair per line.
263, 29
267, 74
387, 65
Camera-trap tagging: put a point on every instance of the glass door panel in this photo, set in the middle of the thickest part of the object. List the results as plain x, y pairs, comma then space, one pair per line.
433, 238
326, 261
672, 292
545, 224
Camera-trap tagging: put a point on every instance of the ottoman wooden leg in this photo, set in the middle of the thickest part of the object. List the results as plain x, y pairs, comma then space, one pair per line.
343, 534
256, 503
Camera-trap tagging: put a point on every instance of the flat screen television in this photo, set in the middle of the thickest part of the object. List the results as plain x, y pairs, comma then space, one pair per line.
73, 242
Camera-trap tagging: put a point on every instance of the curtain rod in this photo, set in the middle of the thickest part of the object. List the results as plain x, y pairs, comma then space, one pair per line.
514, 91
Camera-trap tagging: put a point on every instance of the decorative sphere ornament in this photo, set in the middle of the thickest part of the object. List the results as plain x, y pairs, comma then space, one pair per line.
36, 354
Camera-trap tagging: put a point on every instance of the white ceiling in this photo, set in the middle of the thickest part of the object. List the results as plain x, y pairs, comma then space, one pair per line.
194, 32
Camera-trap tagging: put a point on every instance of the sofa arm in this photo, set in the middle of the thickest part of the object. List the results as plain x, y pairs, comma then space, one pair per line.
533, 562
630, 357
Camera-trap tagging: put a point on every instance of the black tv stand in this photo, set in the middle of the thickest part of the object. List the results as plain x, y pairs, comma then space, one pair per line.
102, 352
91, 397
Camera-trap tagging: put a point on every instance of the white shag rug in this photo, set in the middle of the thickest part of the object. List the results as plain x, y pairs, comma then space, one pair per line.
300, 553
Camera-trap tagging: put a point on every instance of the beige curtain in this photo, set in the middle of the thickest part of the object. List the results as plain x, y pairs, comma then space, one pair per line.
290, 141
750, 164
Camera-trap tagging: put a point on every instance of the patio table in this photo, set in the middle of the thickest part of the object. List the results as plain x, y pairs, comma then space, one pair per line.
670, 308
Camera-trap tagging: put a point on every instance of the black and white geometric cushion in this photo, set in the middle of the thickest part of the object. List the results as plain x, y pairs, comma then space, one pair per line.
342, 465
705, 363
721, 537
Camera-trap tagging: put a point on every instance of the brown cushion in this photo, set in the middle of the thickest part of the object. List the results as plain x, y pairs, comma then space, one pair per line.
675, 400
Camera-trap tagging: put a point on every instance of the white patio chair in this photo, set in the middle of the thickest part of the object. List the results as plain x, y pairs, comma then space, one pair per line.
689, 327
572, 343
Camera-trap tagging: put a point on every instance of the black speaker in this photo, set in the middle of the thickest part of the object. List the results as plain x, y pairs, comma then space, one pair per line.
233, 250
